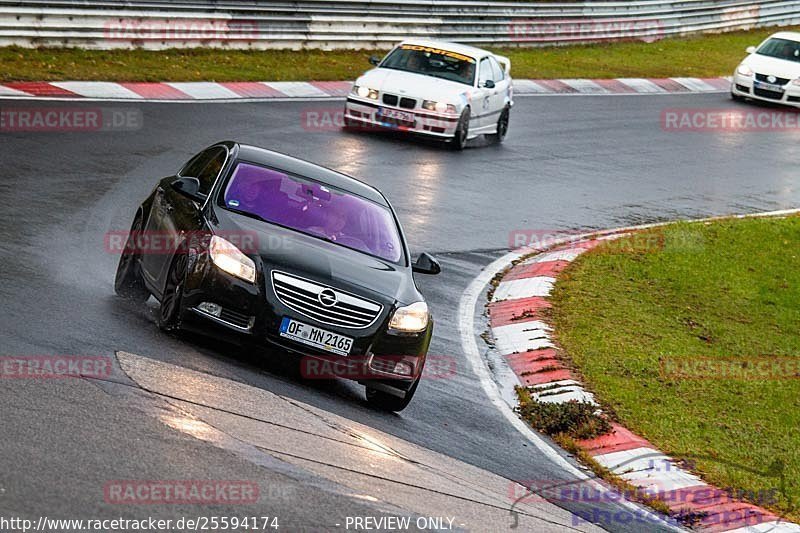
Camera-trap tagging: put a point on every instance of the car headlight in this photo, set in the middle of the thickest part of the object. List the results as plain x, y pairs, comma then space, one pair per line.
796, 82
744, 70
366, 92
230, 259
410, 318
441, 107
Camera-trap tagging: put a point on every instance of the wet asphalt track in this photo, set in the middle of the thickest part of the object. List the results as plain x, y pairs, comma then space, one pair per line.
569, 162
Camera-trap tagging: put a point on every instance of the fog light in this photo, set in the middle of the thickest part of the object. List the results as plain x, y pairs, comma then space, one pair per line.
210, 309
404, 368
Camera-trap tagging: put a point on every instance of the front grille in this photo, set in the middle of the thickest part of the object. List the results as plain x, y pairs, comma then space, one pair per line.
302, 295
237, 319
408, 103
778, 81
763, 93
389, 99
793, 98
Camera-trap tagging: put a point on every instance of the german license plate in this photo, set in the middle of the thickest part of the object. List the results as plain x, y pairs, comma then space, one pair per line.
316, 337
768, 86
395, 114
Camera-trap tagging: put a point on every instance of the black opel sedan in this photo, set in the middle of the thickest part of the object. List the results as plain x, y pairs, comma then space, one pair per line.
283, 252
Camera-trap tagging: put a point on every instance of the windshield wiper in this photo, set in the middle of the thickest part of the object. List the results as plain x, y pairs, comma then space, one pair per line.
248, 214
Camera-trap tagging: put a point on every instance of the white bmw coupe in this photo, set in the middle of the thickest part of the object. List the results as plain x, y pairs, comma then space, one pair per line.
450, 91
770, 72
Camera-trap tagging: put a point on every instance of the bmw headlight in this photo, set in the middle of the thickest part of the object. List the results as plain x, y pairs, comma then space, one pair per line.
440, 107
744, 70
230, 259
366, 92
410, 318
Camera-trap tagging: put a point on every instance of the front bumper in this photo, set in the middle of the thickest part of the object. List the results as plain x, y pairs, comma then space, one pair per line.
365, 114
745, 86
252, 313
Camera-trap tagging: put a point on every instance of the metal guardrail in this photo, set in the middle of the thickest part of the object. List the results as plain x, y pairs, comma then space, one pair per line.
358, 24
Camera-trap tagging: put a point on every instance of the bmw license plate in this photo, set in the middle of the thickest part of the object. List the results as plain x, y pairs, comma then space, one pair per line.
316, 337
395, 114
768, 86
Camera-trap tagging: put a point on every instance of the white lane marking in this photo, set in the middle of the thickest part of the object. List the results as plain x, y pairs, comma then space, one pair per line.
523, 288
529, 87
466, 329
695, 84
521, 337
556, 384
642, 85
571, 394
584, 86
768, 527
98, 89
643, 458
663, 481
296, 88
561, 255
201, 90
8, 91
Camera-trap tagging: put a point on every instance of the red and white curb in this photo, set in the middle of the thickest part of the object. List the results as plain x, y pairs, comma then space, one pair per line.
226, 91
524, 339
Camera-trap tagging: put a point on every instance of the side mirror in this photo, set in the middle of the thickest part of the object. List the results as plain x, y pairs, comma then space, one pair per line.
189, 187
489, 84
375, 60
750, 50
426, 264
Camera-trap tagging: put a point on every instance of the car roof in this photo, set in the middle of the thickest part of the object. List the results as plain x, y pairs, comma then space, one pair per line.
464, 49
791, 35
300, 167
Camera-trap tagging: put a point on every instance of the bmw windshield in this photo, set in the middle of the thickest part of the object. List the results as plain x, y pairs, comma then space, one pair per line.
314, 209
430, 61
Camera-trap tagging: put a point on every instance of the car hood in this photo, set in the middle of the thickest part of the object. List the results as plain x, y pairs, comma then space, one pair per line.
318, 260
413, 85
783, 68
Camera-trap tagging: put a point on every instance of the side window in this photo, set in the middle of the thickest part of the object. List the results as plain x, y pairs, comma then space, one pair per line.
485, 72
497, 70
209, 174
196, 164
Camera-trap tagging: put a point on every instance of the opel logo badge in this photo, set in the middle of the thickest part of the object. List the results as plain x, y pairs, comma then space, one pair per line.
772, 79
327, 297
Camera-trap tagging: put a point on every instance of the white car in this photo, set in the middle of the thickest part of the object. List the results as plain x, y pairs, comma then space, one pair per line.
770, 72
435, 88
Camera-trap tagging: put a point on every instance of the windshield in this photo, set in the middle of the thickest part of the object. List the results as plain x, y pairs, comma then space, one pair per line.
430, 61
781, 48
310, 207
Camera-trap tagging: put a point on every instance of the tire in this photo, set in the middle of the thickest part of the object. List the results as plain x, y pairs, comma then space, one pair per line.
462, 131
169, 311
388, 402
736, 97
502, 127
128, 282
